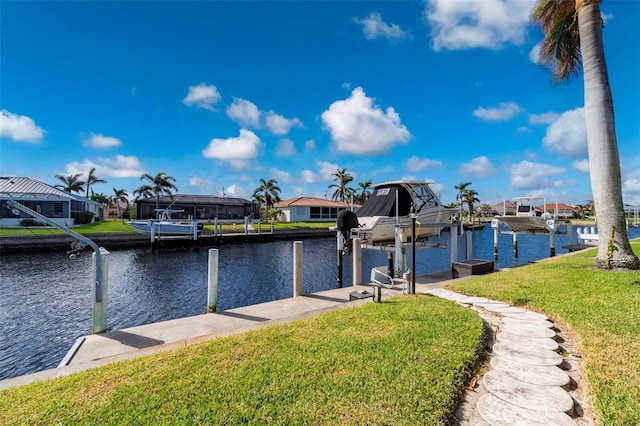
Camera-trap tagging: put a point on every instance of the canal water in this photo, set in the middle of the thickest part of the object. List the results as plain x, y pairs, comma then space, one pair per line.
45, 298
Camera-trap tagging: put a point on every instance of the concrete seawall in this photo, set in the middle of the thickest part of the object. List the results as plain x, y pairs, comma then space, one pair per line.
135, 240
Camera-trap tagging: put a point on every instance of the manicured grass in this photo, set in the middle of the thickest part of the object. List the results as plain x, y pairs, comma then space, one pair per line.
403, 362
117, 227
602, 307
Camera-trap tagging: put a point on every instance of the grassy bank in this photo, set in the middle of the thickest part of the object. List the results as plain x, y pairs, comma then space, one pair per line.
601, 307
403, 361
118, 227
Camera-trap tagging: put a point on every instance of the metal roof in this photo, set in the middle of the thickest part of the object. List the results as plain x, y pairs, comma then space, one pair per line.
196, 199
310, 202
27, 188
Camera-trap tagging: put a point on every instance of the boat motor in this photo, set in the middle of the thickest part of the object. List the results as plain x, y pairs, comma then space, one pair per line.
346, 221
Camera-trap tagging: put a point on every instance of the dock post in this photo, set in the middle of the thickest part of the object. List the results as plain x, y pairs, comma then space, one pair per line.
298, 269
100, 275
153, 236
515, 245
212, 279
552, 243
259, 228
357, 261
453, 247
246, 226
272, 227
390, 263
469, 245
195, 234
495, 224
569, 234
339, 247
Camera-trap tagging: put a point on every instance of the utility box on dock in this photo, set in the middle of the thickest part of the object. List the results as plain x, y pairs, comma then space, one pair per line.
357, 295
464, 268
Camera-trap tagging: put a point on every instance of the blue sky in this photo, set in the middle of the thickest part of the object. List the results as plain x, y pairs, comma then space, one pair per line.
221, 94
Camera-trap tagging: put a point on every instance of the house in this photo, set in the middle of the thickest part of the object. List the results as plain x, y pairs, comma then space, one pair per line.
200, 207
500, 209
56, 204
564, 211
310, 209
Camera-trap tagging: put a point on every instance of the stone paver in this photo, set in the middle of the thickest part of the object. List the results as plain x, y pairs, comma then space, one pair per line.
497, 412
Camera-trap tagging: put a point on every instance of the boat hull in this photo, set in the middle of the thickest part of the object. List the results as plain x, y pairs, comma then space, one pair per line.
527, 223
382, 229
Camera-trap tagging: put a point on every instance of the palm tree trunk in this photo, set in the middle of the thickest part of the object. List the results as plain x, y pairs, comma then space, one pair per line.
604, 160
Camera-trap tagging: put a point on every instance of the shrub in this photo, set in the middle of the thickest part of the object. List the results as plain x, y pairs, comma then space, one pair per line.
84, 217
30, 222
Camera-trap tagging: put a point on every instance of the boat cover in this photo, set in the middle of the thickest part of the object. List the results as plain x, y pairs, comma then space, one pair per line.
383, 203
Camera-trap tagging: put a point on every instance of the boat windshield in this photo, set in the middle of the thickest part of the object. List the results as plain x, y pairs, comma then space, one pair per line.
424, 196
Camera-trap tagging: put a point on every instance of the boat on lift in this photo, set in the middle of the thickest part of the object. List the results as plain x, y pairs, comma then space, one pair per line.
392, 204
527, 217
165, 225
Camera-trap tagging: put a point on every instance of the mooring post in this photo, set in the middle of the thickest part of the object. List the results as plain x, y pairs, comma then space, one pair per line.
357, 261
272, 227
552, 243
412, 284
453, 247
153, 235
339, 248
246, 226
390, 263
569, 234
298, 269
495, 224
100, 276
212, 280
469, 235
515, 244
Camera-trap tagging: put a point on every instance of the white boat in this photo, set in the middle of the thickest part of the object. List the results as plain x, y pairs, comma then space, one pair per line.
390, 206
164, 225
527, 218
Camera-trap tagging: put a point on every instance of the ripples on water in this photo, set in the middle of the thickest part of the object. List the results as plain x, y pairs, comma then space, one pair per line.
45, 298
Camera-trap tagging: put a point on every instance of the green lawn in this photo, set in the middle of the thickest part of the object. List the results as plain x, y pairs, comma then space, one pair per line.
404, 361
601, 307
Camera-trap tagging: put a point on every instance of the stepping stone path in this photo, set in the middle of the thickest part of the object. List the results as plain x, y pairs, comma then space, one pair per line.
525, 384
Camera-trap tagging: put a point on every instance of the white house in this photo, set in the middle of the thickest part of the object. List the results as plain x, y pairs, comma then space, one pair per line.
56, 204
310, 209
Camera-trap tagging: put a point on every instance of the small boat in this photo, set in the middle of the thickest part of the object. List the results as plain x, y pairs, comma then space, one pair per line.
391, 205
164, 225
527, 218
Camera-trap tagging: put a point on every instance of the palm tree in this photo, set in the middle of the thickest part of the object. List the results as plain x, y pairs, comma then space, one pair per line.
364, 190
119, 196
71, 183
460, 197
102, 199
160, 184
91, 179
573, 37
269, 191
342, 192
470, 197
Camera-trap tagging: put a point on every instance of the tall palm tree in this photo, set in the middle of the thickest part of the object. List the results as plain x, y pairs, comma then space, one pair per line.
91, 179
342, 192
573, 37
102, 199
270, 193
470, 197
71, 183
119, 196
160, 184
460, 196
365, 193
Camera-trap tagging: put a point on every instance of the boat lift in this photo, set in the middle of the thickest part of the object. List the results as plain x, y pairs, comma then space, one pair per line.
551, 229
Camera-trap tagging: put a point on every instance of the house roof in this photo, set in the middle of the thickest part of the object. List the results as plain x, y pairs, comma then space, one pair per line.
552, 206
310, 202
26, 188
196, 199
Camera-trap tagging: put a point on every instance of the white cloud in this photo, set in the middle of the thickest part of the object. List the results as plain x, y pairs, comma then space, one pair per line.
101, 142
202, 96
19, 128
534, 53
280, 176
373, 27
467, 24
326, 169
544, 118
310, 144
359, 127
286, 148
238, 192
581, 165
415, 164
244, 112
200, 184
121, 166
309, 177
479, 167
504, 112
533, 176
568, 135
280, 125
237, 151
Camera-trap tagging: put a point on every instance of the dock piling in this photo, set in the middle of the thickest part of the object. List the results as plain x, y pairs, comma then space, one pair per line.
469, 235
212, 278
357, 261
298, 269
100, 275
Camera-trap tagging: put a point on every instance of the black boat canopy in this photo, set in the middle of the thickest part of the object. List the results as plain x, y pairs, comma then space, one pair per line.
383, 202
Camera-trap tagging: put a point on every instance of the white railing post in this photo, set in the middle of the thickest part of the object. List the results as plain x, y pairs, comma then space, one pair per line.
212, 279
298, 269
357, 261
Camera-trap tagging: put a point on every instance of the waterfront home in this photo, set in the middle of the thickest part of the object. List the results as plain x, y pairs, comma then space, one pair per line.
58, 205
311, 209
559, 210
199, 207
